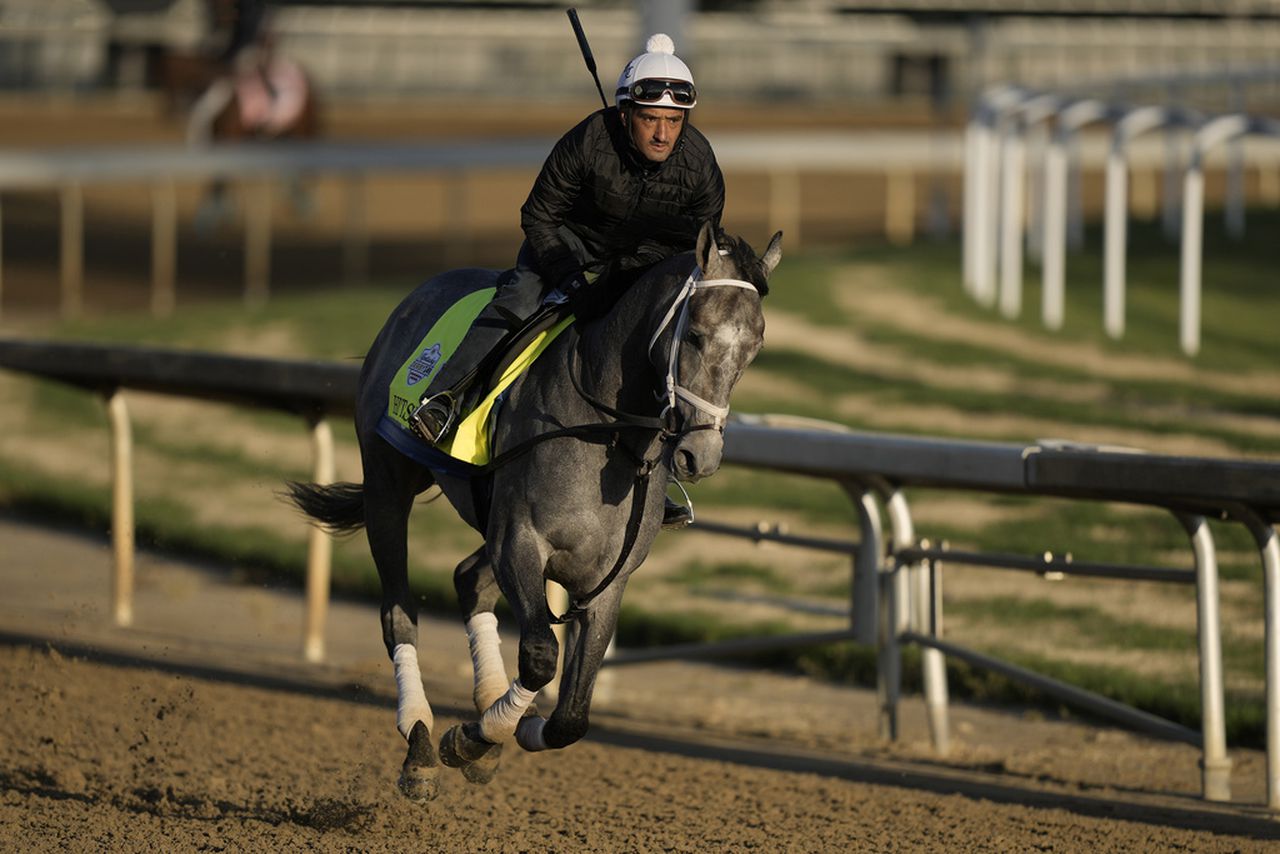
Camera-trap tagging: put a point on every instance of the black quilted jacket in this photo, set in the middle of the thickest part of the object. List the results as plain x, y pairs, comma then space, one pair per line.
626, 210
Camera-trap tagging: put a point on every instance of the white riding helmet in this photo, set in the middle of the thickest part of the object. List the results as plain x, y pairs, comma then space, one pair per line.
657, 77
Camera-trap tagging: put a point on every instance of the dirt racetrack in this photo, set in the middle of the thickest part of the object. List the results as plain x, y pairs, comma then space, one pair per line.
198, 730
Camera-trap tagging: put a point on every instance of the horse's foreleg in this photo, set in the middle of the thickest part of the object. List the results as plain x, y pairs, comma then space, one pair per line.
588, 640
389, 495
525, 590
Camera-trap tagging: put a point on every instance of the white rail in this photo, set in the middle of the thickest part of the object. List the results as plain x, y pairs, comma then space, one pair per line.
996, 224
784, 157
1212, 134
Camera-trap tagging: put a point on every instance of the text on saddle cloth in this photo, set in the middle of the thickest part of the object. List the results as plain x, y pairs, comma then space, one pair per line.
470, 441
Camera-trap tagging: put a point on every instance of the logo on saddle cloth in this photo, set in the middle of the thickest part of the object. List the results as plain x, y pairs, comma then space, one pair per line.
421, 367
470, 441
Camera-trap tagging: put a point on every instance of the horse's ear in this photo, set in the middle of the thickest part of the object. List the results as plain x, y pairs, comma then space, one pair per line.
773, 254
706, 252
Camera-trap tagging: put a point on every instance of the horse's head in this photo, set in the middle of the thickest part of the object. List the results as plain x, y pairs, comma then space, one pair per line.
713, 330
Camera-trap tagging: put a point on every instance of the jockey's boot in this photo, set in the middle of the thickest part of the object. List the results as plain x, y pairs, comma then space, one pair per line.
433, 419
675, 515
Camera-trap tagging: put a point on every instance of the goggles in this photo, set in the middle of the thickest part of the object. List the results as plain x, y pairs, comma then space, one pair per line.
650, 91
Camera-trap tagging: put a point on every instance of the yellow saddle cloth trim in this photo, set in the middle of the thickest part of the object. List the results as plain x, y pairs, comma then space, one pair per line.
471, 440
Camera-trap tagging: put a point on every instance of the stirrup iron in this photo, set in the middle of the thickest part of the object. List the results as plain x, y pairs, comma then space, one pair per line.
681, 515
427, 420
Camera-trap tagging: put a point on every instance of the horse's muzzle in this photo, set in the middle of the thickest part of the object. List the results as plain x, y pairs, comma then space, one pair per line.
697, 455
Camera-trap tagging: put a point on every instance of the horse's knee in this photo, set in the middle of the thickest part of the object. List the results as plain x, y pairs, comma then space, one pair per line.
538, 660
475, 585
564, 730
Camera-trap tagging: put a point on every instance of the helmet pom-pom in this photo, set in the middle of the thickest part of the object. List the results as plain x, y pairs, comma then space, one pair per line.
660, 43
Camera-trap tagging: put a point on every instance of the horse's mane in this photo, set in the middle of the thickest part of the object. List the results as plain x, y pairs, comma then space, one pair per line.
599, 299
744, 258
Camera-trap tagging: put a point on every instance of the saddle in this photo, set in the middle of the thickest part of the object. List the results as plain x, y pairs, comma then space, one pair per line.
485, 382
523, 333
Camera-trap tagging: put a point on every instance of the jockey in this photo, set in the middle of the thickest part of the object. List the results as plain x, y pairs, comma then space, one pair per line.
240, 34
627, 187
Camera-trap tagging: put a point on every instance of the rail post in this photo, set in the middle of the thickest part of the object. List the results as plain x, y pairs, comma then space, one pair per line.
1215, 765
982, 189
1116, 218
72, 249
867, 560
122, 522
164, 247
257, 244
1212, 133
915, 600
319, 548
1011, 220
1014, 224
1057, 167
888, 655
1264, 536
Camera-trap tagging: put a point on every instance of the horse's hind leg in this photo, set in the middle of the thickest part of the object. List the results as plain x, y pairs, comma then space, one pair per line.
390, 484
478, 592
477, 595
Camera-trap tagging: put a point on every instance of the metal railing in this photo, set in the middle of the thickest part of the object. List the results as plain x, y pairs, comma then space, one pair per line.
895, 588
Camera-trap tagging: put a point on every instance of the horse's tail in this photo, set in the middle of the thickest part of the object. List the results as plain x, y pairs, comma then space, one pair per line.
337, 506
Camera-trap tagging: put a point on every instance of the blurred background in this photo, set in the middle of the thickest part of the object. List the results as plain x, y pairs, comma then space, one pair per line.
141, 201
866, 101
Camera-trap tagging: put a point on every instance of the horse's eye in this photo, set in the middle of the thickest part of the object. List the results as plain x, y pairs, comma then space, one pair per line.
695, 339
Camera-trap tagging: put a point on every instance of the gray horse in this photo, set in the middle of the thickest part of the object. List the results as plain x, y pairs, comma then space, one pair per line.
569, 497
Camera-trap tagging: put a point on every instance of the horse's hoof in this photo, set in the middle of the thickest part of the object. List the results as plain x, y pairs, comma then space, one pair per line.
419, 784
419, 776
482, 770
461, 746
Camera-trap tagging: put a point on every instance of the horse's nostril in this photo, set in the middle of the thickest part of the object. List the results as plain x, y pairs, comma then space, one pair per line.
686, 462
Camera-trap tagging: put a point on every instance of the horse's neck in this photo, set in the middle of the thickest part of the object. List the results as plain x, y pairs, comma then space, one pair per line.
615, 349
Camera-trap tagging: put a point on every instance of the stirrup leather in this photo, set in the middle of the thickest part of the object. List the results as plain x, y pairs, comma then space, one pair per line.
427, 420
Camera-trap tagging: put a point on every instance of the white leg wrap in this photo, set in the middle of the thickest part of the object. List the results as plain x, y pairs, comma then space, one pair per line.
486, 660
529, 733
498, 723
413, 705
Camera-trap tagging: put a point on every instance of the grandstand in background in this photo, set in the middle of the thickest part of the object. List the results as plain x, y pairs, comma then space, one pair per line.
937, 52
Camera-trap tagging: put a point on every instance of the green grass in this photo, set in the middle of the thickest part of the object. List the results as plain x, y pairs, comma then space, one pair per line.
1241, 305
699, 576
